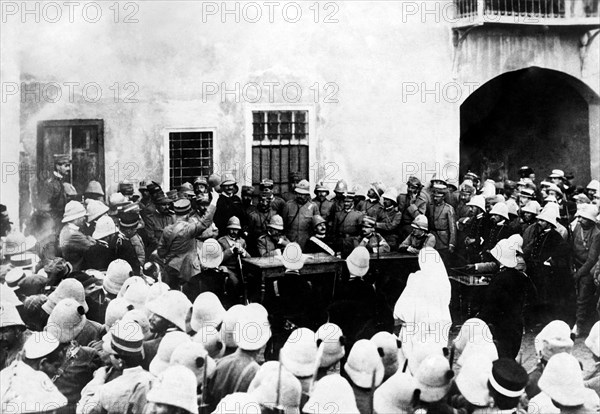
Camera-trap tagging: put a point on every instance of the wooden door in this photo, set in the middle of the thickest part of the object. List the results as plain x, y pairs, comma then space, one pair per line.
83, 139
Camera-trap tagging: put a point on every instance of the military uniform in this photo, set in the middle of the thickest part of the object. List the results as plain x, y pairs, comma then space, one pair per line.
266, 245
278, 204
140, 250
318, 244
495, 232
74, 245
298, 221
502, 310
410, 208
546, 257
256, 227
156, 224
99, 256
388, 225
76, 371
229, 257
233, 373
323, 207
586, 252
346, 224
227, 207
177, 245
371, 208
442, 225
53, 197
428, 240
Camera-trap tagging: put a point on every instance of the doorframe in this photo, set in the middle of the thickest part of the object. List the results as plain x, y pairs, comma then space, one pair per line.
70, 123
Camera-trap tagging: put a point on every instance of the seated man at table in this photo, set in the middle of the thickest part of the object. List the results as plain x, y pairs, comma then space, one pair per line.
273, 241
319, 242
369, 238
419, 238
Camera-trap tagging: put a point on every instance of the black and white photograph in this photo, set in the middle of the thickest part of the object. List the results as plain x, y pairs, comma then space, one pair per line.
300, 207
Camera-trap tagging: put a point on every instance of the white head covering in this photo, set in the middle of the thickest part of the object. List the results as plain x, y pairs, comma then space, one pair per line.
424, 303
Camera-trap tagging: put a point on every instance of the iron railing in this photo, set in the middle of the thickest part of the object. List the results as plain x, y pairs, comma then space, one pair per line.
542, 12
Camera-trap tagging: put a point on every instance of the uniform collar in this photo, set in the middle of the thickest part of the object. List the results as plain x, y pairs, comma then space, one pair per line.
58, 175
230, 241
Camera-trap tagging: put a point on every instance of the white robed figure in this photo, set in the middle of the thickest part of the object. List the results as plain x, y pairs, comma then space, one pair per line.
423, 308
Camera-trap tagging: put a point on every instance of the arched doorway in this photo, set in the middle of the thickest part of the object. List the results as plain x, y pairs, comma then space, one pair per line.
534, 116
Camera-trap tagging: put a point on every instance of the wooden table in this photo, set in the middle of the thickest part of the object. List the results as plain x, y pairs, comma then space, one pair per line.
394, 256
392, 271
315, 264
468, 291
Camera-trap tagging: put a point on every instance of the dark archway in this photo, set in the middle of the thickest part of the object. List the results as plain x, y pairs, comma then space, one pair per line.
534, 116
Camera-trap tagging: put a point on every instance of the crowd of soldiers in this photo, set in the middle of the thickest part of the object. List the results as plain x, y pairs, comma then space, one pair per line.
140, 302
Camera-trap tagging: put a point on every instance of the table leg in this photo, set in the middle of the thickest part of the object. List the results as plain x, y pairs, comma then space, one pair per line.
263, 288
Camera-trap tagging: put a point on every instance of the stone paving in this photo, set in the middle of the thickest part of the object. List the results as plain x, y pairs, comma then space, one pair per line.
580, 351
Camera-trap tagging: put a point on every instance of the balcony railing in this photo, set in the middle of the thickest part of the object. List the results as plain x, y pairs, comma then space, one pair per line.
527, 12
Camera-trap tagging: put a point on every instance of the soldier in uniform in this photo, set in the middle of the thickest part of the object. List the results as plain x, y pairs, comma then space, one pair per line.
411, 204
346, 223
128, 224
272, 241
340, 189
200, 186
277, 203
177, 245
441, 222
229, 205
298, 213
258, 221
472, 230
498, 229
546, 255
419, 238
111, 245
290, 195
72, 242
466, 192
233, 245
586, 252
145, 194
372, 206
323, 204
528, 216
319, 242
53, 197
247, 198
158, 220
388, 224
200, 203
369, 238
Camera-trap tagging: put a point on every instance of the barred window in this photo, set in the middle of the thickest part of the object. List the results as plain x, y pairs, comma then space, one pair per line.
190, 155
279, 146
